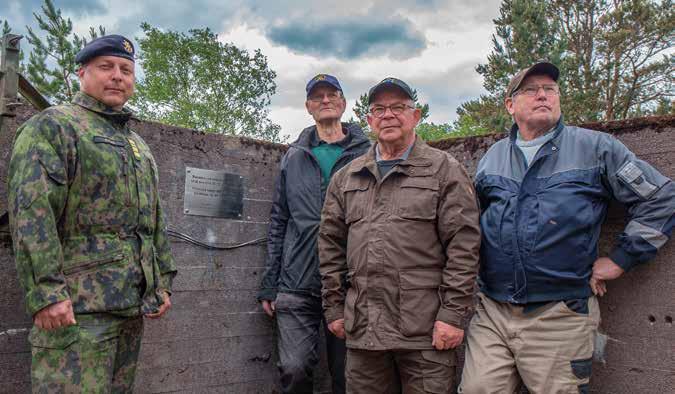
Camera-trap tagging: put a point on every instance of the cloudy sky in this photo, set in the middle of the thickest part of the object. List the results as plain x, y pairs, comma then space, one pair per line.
434, 45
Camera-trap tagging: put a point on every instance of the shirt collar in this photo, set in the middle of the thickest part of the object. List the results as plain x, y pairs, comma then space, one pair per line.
404, 156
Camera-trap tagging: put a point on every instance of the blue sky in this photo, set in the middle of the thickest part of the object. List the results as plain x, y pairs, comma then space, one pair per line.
433, 45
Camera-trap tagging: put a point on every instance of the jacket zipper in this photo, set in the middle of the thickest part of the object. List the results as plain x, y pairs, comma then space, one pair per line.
125, 171
92, 264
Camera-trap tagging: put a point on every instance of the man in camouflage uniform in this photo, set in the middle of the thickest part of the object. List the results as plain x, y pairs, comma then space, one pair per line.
89, 235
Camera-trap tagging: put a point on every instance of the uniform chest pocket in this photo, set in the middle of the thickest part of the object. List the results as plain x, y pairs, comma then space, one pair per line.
106, 181
356, 194
418, 198
109, 166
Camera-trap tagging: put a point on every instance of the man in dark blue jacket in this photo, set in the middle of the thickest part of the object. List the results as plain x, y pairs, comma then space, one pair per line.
291, 287
544, 192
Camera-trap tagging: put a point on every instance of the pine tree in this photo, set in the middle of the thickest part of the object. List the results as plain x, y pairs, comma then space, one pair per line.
51, 64
524, 34
615, 58
5, 28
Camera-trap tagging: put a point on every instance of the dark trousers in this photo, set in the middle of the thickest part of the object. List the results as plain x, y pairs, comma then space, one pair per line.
299, 319
400, 371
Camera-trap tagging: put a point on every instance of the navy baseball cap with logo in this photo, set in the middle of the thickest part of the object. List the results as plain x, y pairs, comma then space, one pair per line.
387, 83
111, 45
325, 79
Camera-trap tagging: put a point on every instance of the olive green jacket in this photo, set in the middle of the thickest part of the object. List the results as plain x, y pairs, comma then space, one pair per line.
85, 215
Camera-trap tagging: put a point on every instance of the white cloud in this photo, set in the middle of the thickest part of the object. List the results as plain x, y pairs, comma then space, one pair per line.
456, 38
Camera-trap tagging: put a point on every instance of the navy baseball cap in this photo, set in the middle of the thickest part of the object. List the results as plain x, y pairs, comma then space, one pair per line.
389, 82
541, 68
111, 45
322, 78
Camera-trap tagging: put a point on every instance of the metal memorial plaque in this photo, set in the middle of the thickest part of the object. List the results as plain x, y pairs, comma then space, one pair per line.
213, 193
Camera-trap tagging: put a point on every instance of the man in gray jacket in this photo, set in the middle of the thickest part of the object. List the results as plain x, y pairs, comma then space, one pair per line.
291, 288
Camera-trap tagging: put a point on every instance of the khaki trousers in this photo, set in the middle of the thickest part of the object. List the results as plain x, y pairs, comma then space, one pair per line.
549, 348
399, 371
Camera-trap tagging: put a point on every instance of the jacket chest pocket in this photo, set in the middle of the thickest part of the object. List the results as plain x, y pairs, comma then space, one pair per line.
356, 194
106, 180
418, 198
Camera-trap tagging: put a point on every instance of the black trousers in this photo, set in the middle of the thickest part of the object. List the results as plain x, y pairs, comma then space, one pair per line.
299, 319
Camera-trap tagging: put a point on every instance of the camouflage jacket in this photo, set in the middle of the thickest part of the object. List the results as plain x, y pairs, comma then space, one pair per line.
85, 213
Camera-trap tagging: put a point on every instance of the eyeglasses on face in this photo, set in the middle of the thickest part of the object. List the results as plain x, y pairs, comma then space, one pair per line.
378, 111
332, 96
532, 90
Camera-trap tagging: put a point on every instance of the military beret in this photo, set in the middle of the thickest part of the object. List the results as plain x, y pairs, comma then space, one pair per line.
111, 45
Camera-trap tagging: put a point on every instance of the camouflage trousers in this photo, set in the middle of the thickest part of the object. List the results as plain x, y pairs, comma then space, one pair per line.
97, 355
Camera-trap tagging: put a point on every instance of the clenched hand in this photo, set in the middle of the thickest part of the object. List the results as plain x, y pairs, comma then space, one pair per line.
337, 327
446, 336
269, 307
162, 309
55, 316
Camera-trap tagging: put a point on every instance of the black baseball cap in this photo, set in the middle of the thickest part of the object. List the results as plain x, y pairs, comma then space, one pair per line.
387, 83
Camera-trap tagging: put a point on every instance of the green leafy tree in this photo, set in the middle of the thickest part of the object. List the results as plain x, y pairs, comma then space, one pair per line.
193, 80
433, 132
665, 107
51, 64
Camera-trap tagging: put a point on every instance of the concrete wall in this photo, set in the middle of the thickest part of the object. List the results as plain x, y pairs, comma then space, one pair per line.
216, 339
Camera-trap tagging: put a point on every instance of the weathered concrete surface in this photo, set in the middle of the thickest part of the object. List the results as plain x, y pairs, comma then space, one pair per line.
216, 338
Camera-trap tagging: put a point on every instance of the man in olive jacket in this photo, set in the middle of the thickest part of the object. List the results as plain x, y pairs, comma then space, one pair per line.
89, 234
291, 289
398, 251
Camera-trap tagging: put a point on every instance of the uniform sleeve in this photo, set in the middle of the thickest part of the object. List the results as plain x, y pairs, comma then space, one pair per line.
38, 189
165, 261
333, 252
275, 239
459, 232
650, 199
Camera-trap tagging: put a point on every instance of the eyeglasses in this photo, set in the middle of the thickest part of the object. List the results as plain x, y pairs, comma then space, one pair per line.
332, 96
378, 111
533, 90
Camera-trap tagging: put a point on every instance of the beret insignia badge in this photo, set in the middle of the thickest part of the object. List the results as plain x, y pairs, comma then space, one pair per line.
127, 46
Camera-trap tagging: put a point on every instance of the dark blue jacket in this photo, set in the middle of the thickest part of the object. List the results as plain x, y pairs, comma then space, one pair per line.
541, 224
292, 255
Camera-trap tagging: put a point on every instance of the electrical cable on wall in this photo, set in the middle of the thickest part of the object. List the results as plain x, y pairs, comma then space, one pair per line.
189, 239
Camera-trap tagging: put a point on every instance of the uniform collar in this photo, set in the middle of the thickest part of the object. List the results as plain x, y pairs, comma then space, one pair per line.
86, 101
